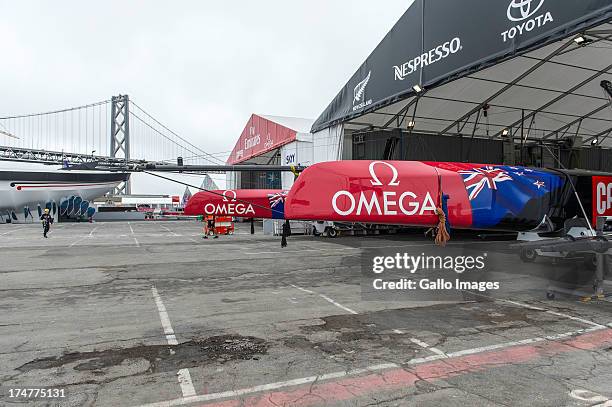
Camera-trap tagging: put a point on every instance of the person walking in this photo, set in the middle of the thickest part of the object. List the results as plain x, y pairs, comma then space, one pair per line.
47, 220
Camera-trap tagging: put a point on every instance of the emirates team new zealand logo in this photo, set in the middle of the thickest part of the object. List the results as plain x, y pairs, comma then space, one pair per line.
359, 94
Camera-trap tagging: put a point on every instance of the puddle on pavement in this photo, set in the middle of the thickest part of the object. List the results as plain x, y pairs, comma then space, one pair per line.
162, 358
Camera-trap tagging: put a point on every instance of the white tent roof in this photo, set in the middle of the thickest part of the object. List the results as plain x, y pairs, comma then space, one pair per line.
297, 124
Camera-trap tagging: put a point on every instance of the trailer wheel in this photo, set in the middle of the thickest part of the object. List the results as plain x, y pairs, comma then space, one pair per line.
528, 255
332, 232
550, 295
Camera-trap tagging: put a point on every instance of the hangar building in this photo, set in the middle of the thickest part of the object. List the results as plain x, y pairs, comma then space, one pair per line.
272, 140
503, 81
487, 81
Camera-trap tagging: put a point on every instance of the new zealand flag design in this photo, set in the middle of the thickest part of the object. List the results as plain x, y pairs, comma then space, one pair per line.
277, 204
497, 192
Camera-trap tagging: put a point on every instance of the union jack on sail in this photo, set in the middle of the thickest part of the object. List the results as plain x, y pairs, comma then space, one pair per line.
277, 204
477, 179
277, 198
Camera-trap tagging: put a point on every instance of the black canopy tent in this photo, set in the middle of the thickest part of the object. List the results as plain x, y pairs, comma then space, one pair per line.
524, 70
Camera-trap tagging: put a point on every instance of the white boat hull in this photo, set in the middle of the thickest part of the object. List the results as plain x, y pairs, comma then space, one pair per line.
30, 189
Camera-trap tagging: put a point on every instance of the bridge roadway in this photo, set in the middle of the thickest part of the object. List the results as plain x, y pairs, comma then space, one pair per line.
148, 313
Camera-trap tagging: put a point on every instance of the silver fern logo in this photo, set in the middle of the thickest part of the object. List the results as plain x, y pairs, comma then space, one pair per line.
359, 94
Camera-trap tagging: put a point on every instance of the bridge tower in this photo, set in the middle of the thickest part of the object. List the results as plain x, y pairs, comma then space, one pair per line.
120, 135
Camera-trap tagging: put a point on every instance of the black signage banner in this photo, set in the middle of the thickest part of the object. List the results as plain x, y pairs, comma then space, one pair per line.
436, 41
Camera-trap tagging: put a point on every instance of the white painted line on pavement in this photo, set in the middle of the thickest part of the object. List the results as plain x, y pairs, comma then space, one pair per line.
418, 361
422, 344
302, 289
326, 298
427, 346
133, 235
163, 316
335, 375
523, 342
75, 242
520, 304
184, 378
347, 309
497, 346
559, 314
169, 230
11, 231
270, 386
584, 321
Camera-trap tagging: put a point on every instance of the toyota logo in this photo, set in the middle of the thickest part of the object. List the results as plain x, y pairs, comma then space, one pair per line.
519, 10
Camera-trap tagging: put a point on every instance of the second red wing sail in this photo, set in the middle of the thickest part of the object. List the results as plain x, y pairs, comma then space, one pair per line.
246, 203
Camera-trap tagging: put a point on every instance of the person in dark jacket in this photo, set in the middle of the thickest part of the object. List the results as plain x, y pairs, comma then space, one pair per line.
286, 232
47, 220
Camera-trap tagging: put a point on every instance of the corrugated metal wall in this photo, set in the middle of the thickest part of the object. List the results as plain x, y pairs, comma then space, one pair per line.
595, 159
426, 147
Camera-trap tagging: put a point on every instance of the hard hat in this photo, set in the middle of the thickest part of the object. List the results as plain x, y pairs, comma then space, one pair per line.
46, 210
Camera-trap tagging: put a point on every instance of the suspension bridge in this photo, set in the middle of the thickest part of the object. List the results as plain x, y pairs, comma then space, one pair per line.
113, 131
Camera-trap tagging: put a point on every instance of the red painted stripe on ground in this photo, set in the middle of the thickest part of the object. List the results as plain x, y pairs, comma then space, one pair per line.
397, 379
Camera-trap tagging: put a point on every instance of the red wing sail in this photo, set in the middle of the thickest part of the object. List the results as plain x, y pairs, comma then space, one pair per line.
246, 203
480, 196
392, 192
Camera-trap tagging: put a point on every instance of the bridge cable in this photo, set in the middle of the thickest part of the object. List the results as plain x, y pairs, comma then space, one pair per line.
182, 139
55, 111
132, 114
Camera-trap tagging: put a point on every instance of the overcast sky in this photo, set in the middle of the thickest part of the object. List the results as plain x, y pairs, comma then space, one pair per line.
200, 67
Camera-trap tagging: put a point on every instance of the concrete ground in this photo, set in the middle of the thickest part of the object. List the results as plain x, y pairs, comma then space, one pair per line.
148, 313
